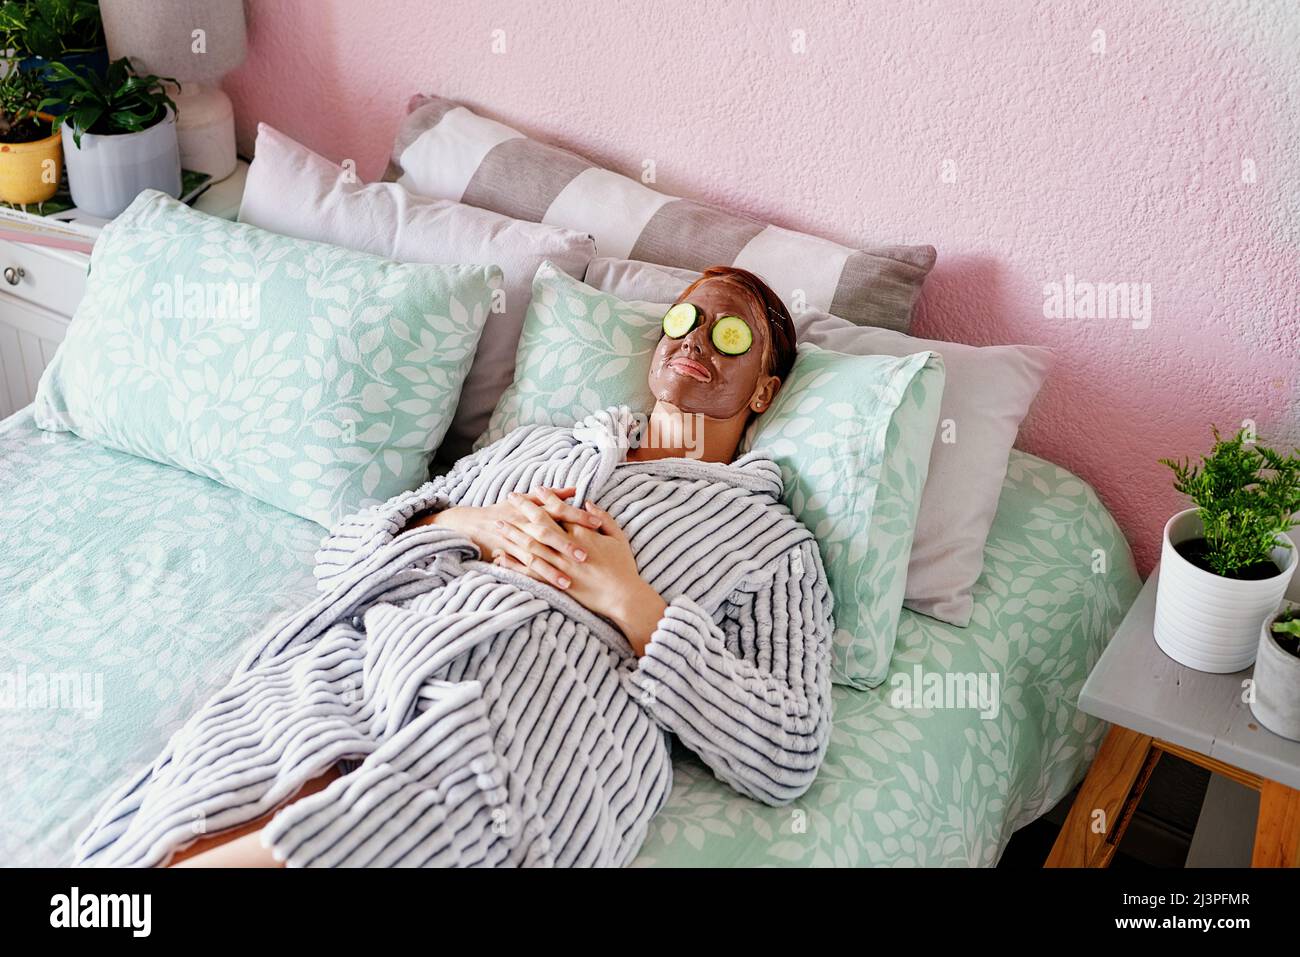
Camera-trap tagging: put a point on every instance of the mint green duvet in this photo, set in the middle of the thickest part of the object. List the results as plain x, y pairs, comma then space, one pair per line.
128, 589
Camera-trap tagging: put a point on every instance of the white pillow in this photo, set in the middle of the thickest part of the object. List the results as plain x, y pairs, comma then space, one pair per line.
986, 394
296, 192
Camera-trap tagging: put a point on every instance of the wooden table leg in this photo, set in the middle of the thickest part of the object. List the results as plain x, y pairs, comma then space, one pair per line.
1277, 834
1113, 787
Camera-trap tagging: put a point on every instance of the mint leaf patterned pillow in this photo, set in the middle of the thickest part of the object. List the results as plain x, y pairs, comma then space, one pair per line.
852, 435
581, 351
314, 378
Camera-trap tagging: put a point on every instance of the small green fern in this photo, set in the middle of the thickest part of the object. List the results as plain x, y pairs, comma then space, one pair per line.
1245, 495
1288, 622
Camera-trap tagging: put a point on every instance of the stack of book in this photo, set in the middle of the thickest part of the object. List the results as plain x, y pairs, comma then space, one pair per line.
57, 222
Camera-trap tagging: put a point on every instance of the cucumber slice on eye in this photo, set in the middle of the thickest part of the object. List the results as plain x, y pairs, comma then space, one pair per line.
680, 319
732, 336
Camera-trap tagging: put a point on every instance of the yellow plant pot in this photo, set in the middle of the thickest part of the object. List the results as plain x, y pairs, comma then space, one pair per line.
30, 172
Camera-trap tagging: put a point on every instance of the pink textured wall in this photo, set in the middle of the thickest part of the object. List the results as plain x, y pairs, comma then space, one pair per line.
1002, 132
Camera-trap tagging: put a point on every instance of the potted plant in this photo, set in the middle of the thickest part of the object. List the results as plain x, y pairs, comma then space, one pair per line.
38, 32
1226, 563
1277, 673
31, 159
119, 137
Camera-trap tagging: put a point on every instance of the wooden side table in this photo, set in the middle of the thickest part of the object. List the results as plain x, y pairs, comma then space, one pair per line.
1156, 706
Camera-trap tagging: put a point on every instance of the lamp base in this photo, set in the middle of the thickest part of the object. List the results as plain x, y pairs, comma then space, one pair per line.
205, 129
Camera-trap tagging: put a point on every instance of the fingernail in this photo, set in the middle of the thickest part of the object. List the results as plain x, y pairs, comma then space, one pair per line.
564, 583
579, 554
498, 523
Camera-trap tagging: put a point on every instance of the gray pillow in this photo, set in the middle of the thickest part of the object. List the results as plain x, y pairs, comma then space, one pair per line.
986, 394
445, 150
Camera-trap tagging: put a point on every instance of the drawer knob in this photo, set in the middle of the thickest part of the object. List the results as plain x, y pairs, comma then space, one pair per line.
13, 274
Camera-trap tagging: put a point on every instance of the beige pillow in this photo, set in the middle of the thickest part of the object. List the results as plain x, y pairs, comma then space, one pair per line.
986, 394
446, 150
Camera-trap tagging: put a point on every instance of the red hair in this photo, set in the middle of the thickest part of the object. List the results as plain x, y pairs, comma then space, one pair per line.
768, 303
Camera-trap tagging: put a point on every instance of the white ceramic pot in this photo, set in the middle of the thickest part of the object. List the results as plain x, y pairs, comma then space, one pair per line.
1206, 621
1277, 686
106, 172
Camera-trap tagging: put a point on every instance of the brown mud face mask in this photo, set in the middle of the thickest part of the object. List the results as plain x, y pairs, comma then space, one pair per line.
712, 354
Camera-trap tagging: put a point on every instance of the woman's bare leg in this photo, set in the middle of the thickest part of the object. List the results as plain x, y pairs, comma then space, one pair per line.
242, 846
243, 851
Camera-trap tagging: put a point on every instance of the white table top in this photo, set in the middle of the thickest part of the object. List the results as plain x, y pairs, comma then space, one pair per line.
1137, 685
222, 198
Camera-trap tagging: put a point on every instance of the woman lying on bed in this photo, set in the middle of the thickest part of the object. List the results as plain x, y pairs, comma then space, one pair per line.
489, 673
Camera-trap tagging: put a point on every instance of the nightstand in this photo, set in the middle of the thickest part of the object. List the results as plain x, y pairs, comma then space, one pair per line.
1156, 706
40, 288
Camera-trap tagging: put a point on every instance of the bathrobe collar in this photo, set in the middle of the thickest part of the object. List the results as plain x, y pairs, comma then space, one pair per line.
614, 431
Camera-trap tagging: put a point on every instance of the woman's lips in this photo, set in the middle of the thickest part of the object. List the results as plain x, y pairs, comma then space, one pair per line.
689, 367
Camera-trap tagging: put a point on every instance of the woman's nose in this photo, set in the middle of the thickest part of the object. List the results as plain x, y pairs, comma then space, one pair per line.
695, 340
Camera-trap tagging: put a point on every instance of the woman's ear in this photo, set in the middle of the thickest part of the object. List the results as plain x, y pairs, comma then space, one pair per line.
764, 392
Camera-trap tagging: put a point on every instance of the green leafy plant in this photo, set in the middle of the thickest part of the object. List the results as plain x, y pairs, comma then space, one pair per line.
1245, 494
22, 93
50, 28
118, 102
1288, 622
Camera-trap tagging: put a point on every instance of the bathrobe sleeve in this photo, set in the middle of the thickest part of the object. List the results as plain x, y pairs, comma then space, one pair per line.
356, 538
749, 692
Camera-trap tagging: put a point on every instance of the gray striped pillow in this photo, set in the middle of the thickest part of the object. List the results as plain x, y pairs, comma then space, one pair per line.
445, 150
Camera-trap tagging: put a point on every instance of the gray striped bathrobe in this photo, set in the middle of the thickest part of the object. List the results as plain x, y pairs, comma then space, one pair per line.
488, 719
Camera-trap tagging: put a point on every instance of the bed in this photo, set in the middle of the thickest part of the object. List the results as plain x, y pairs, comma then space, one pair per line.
139, 584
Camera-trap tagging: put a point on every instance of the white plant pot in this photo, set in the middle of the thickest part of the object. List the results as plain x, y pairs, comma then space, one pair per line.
1206, 621
107, 172
1277, 686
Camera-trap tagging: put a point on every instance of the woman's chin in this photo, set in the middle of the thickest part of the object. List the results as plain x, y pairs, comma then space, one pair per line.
686, 396
686, 407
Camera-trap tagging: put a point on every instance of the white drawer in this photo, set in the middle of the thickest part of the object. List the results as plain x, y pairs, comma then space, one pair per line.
29, 336
53, 279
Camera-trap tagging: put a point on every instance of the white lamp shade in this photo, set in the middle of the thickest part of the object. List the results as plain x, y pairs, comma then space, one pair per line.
195, 40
